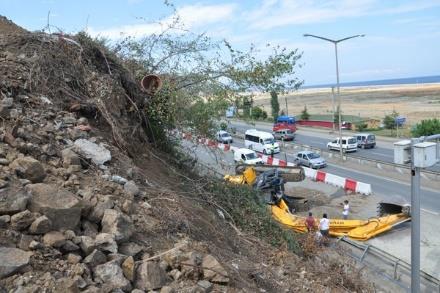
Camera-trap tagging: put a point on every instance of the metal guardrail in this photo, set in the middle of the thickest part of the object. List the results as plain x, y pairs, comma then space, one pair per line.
393, 268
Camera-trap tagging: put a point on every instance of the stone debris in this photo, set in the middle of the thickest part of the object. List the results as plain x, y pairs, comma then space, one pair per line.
118, 224
97, 153
61, 207
13, 202
150, 276
22, 220
111, 276
12, 260
29, 168
41, 225
54, 239
214, 271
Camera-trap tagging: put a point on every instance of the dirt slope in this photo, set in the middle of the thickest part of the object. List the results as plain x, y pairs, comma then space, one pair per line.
87, 204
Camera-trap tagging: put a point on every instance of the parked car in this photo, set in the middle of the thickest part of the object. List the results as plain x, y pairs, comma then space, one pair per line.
349, 144
224, 137
246, 156
284, 134
310, 159
365, 140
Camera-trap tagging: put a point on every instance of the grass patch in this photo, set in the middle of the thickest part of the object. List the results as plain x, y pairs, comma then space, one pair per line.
251, 214
402, 132
329, 117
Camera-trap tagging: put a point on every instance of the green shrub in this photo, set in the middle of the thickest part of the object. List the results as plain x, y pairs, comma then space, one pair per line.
361, 126
426, 127
389, 121
258, 113
304, 114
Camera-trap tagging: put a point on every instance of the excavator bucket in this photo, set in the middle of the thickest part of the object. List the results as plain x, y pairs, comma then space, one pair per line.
393, 208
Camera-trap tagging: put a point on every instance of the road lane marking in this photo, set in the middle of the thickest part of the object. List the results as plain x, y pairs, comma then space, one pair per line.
380, 154
430, 212
379, 177
317, 142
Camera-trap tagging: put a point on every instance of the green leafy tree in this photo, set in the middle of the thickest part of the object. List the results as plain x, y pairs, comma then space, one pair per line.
202, 76
389, 121
304, 114
426, 127
258, 113
361, 126
275, 105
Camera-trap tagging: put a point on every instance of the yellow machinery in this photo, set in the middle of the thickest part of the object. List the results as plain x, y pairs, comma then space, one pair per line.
355, 229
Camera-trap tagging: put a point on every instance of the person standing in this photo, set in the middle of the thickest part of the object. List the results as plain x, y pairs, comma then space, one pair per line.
324, 225
346, 208
310, 223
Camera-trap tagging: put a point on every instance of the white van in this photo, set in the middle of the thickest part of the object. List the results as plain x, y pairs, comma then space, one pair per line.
349, 144
261, 141
246, 156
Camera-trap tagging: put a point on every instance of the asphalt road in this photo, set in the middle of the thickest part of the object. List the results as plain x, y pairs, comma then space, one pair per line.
385, 188
382, 152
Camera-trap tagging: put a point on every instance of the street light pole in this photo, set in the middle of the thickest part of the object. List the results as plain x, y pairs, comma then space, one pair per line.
339, 100
333, 108
335, 42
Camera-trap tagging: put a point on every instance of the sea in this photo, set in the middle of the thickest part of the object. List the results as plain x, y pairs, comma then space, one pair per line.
396, 81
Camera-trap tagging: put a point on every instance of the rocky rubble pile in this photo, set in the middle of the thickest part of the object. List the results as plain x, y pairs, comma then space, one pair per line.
62, 208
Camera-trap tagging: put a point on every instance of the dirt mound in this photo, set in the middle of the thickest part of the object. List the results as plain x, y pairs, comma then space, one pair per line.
88, 205
8, 27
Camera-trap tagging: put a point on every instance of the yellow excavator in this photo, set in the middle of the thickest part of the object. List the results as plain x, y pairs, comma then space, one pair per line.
268, 179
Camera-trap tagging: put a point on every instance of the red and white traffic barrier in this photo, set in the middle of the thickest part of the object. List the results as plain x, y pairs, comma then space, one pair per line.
320, 176
316, 175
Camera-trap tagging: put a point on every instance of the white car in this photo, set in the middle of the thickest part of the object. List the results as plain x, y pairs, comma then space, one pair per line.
349, 144
224, 137
246, 156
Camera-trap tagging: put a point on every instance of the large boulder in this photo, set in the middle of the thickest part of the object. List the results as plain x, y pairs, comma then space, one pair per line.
61, 207
110, 274
12, 260
28, 168
150, 276
118, 224
13, 202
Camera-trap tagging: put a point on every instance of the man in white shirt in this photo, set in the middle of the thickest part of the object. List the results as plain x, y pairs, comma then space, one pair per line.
345, 210
324, 225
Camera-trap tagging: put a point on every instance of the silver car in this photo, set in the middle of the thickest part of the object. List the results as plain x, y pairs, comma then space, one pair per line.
310, 159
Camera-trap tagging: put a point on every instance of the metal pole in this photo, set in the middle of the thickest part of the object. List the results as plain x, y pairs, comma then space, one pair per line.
333, 107
339, 100
415, 223
287, 109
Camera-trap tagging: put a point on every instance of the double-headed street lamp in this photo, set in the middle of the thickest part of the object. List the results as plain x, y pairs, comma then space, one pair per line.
335, 42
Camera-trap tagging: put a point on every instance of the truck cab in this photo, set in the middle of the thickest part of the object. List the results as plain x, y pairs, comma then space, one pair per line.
285, 122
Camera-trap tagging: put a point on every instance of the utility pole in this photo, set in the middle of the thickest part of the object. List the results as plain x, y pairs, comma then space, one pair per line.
287, 108
335, 42
415, 223
333, 108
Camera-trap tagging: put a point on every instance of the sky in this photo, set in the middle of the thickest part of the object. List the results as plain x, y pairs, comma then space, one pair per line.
402, 37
